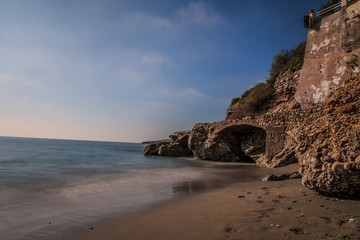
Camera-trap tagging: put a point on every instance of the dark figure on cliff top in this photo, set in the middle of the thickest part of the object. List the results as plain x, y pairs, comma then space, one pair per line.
309, 19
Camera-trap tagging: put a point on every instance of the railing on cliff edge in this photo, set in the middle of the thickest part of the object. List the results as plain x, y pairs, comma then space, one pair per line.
336, 6
328, 9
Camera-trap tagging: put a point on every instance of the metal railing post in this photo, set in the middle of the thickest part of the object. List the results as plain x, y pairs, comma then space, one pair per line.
344, 3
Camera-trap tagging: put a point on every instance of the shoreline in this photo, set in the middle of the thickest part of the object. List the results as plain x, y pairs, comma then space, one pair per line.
246, 210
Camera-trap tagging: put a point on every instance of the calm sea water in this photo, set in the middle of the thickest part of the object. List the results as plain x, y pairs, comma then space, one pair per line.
52, 187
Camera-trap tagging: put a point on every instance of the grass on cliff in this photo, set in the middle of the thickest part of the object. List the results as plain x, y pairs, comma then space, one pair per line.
257, 97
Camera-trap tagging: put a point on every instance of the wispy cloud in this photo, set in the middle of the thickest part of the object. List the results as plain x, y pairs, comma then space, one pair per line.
199, 13
189, 93
146, 20
152, 58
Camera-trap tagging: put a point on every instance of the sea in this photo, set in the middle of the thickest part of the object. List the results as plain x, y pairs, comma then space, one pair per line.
53, 189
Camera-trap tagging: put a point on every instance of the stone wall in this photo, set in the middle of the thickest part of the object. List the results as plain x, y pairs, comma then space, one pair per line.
330, 44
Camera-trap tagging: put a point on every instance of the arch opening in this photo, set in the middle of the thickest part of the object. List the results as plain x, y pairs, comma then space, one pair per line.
247, 143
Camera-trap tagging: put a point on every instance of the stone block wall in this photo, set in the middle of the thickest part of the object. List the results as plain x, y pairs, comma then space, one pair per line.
330, 44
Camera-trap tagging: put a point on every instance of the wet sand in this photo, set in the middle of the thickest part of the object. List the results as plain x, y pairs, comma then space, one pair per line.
247, 210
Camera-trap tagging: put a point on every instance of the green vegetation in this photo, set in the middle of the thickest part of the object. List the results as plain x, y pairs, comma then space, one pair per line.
353, 63
255, 99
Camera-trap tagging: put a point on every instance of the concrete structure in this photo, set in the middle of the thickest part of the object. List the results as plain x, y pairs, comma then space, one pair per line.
330, 44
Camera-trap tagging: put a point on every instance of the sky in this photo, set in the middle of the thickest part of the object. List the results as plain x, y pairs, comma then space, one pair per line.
134, 70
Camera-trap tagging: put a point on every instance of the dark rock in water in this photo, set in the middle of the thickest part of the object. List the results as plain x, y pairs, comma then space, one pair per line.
157, 141
153, 149
177, 148
273, 177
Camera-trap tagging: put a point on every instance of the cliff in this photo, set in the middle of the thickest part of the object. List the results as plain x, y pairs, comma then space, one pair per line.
312, 118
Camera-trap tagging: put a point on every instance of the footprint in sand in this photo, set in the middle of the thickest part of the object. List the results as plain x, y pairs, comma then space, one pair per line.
327, 219
297, 230
229, 229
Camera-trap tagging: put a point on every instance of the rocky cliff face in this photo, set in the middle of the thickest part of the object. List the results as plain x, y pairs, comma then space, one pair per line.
260, 139
329, 139
324, 139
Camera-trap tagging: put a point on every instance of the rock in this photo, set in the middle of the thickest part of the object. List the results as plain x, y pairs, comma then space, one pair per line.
336, 156
338, 167
227, 141
336, 123
273, 177
328, 159
318, 155
153, 149
357, 146
175, 150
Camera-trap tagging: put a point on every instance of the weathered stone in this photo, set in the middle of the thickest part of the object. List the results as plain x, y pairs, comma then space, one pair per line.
357, 146
340, 173
328, 159
179, 146
318, 155
153, 148
174, 150
285, 176
328, 47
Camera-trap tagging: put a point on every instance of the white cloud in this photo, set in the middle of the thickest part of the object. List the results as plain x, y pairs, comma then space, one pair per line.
199, 13
141, 19
163, 92
152, 58
130, 76
189, 93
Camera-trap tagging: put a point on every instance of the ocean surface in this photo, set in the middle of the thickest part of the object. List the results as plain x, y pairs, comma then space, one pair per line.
50, 189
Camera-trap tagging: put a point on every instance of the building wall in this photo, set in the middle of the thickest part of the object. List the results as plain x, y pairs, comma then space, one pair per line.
330, 44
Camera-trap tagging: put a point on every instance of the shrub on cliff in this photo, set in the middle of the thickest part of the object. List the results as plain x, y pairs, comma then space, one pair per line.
257, 97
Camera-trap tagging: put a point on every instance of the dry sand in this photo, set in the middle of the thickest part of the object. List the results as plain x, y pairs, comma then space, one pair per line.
249, 210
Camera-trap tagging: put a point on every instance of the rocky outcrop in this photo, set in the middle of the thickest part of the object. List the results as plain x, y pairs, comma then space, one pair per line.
285, 176
177, 148
284, 92
329, 142
239, 138
153, 148
226, 141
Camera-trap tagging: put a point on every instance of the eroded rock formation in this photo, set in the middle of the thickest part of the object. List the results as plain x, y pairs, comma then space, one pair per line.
329, 139
177, 148
224, 141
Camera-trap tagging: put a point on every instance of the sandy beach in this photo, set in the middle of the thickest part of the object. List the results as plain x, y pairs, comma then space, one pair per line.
248, 210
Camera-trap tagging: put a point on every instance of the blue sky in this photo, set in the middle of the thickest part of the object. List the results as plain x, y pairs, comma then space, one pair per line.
134, 70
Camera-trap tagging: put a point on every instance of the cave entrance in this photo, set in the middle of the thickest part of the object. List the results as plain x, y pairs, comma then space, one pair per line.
246, 142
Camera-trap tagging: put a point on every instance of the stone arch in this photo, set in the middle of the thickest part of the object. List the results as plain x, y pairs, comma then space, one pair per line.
245, 142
